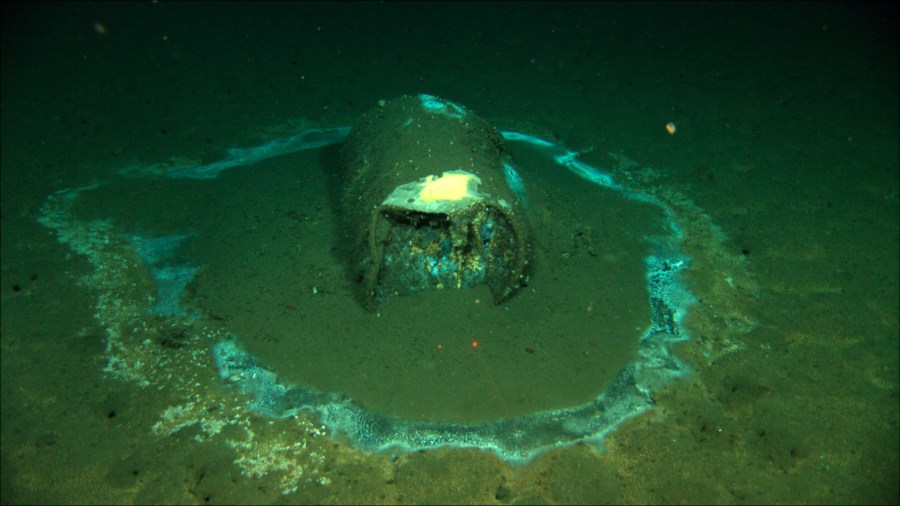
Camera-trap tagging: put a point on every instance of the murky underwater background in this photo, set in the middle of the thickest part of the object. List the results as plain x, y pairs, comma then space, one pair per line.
783, 170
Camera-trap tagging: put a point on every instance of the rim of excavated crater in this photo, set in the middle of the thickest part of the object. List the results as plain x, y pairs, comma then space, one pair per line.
515, 439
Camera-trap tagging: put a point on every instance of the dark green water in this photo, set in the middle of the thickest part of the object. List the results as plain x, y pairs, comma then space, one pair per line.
783, 170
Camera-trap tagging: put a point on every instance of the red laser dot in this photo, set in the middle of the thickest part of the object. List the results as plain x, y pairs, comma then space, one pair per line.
474, 344
440, 346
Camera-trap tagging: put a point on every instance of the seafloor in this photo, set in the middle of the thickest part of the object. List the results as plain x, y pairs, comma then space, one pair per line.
782, 171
